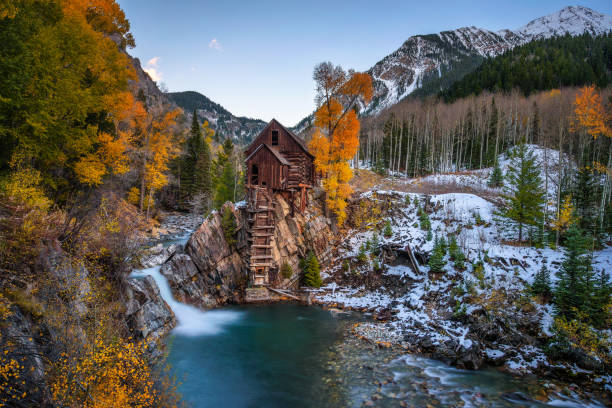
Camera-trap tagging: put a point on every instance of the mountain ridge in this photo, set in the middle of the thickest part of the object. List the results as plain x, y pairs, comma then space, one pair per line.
240, 129
420, 65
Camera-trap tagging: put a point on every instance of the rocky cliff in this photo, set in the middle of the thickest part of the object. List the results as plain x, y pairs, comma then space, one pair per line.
211, 272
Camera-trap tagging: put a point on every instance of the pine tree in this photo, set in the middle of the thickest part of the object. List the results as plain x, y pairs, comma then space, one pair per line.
375, 245
541, 283
497, 178
311, 271
229, 226
455, 253
436, 260
575, 278
524, 196
586, 196
196, 166
601, 301
226, 183
388, 231
424, 220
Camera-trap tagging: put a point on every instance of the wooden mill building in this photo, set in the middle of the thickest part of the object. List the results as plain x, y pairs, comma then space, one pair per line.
277, 162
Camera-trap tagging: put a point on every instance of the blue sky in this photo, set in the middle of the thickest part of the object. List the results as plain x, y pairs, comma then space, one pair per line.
256, 57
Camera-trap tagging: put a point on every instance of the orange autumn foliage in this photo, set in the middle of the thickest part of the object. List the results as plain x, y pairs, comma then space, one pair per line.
590, 114
335, 140
109, 375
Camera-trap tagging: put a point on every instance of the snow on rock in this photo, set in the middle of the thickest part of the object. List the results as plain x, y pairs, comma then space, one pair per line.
423, 303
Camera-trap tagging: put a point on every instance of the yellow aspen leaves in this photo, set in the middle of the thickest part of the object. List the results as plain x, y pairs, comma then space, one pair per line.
336, 137
566, 215
590, 114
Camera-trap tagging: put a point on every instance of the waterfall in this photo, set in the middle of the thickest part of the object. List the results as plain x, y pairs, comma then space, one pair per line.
191, 321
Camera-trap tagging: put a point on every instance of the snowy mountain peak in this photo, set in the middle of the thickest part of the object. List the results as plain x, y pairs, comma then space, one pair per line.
428, 63
574, 20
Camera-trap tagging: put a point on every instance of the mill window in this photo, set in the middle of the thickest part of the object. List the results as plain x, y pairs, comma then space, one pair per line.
255, 175
275, 138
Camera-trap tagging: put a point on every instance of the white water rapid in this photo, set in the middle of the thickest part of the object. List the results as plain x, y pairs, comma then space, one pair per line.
191, 321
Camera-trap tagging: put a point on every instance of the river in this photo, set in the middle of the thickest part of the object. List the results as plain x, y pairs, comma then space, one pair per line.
288, 355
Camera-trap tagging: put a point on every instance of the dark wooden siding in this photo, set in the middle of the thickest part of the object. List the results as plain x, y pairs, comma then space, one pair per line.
300, 169
286, 143
271, 171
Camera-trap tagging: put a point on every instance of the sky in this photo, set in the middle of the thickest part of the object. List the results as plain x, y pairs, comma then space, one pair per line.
256, 58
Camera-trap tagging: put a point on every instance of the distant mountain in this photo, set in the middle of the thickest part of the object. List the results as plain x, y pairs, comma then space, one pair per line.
539, 65
242, 130
426, 64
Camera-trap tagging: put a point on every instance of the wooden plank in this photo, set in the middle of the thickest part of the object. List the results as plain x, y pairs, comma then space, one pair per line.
284, 293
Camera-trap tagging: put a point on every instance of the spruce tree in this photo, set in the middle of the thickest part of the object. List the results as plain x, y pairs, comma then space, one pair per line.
586, 196
541, 283
455, 253
575, 278
388, 231
436, 260
311, 271
497, 178
196, 174
524, 196
229, 226
600, 301
226, 182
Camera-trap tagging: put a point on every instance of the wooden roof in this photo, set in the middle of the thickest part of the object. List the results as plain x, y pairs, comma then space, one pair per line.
276, 154
296, 138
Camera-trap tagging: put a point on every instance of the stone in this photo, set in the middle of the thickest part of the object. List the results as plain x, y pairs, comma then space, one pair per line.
158, 255
148, 316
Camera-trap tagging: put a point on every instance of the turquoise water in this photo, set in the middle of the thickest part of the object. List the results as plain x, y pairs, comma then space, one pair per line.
267, 356
288, 355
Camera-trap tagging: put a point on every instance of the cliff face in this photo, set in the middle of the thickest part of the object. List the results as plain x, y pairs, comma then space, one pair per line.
211, 272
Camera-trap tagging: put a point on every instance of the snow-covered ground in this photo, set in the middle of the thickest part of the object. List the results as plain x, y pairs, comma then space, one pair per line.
423, 303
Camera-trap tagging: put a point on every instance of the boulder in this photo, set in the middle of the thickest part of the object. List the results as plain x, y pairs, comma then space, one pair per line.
187, 285
158, 254
148, 316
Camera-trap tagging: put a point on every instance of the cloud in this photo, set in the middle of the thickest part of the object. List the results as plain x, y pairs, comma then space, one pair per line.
152, 69
214, 44
153, 61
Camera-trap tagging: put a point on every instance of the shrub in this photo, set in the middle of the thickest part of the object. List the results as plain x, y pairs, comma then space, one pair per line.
407, 199
311, 271
362, 256
346, 266
478, 270
286, 270
577, 334
459, 312
478, 219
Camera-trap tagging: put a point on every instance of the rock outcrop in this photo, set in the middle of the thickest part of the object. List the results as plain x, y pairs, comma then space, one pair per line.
148, 315
212, 272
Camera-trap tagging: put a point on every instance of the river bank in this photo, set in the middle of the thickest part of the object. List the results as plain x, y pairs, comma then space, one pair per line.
286, 353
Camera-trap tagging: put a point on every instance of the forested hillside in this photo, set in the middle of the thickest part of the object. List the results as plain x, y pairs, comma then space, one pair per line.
539, 65
241, 130
90, 153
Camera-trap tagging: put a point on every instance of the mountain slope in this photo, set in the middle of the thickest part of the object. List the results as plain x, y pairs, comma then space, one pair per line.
426, 64
241, 129
540, 65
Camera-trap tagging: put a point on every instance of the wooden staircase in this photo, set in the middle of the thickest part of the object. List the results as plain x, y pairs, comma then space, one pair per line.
261, 235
